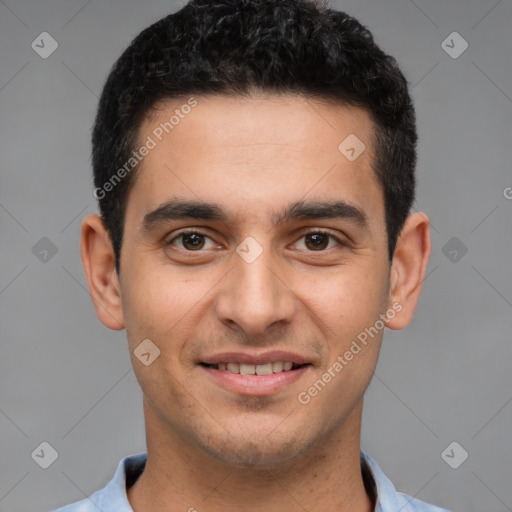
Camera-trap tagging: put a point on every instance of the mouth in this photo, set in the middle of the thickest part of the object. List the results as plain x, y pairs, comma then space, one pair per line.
255, 369
255, 375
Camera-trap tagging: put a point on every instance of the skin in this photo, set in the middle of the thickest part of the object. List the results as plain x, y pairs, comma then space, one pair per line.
208, 447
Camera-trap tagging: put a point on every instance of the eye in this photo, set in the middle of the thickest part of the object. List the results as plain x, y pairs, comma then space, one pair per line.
191, 241
318, 241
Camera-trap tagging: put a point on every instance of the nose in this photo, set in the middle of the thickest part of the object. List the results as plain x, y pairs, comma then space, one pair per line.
256, 297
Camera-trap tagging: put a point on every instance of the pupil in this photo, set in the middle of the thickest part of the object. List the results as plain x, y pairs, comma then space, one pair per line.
194, 240
318, 240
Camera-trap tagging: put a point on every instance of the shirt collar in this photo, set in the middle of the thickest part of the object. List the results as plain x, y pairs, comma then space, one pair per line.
375, 481
378, 484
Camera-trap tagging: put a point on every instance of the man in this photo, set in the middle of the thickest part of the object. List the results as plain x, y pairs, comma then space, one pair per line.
254, 164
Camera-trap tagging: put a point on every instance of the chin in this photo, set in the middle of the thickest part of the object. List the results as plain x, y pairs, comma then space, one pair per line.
246, 452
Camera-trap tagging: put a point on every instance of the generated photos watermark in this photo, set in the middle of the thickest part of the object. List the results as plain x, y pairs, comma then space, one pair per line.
150, 143
343, 360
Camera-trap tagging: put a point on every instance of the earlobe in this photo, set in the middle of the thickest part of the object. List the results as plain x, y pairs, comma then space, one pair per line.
99, 266
408, 269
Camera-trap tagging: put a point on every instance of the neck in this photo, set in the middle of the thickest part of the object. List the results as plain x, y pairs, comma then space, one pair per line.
180, 477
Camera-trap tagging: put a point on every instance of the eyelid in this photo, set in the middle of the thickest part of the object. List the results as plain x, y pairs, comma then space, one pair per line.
186, 231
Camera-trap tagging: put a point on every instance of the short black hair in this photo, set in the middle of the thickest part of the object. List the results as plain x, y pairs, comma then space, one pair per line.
234, 47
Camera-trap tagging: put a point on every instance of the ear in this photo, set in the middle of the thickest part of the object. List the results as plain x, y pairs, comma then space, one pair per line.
99, 266
408, 269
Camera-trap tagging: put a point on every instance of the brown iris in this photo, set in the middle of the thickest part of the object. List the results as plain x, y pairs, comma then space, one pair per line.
317, 241
193, 241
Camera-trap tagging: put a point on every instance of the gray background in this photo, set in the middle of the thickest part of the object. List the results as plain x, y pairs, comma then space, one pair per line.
67, 380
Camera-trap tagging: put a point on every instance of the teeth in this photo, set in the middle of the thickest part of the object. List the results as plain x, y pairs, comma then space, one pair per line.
264, 369
247, 369
277, 366
256, 369
233, 367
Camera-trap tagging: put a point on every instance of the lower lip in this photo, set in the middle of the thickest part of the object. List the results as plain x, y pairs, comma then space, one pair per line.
255, 385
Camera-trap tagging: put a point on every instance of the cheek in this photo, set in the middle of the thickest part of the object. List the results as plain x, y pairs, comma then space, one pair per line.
142, 307
156, 311
345, 301
168, 307
152, 304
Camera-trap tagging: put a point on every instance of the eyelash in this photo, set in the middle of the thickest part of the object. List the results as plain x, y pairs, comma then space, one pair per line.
313, 232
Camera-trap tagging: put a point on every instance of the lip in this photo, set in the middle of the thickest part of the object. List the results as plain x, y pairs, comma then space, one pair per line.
254, 385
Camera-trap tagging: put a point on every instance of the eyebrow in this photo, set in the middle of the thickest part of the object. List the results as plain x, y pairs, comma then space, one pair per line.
178, 209
322, 210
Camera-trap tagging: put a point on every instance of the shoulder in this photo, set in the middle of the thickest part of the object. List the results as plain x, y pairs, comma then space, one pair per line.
410, 504
388, 499
113, 495
85, 505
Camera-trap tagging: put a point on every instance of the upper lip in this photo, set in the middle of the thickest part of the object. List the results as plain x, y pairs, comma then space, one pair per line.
256, 357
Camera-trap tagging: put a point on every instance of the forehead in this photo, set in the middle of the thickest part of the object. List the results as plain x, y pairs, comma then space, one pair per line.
263, 150
262, 118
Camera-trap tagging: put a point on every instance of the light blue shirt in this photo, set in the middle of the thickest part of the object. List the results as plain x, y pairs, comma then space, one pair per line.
112, 498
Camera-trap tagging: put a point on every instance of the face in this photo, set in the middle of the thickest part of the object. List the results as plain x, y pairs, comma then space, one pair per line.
254, 255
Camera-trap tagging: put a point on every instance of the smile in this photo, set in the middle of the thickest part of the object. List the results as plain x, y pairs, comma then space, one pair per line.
256, 373
256, 369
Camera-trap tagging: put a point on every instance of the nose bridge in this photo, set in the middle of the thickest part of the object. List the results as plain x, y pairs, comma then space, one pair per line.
254, 297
